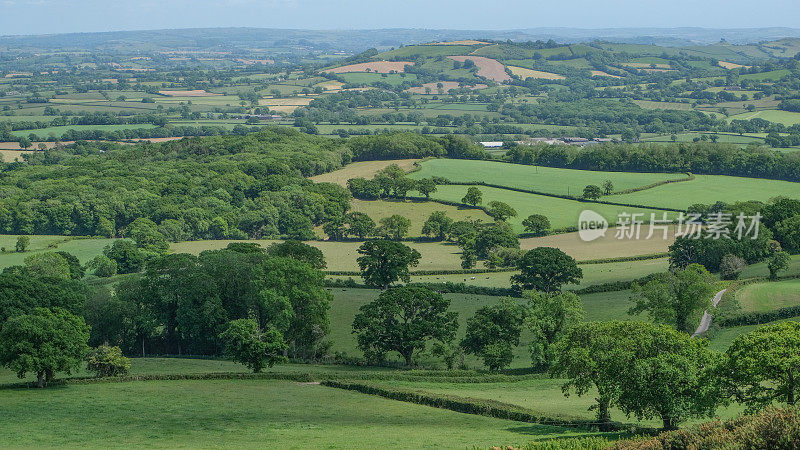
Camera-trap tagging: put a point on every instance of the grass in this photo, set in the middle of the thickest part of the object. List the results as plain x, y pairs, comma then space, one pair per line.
394, 79
785, 117
542, 179
722, 338
365, 169
416, 211
760, 269
604, 247
593, 274
561, 212
346, 304
242, 414
341, 256
83, 249
761, 297
58, 131
539, 394
709, 189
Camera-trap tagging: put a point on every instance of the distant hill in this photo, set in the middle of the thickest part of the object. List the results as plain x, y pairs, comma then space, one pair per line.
353, 41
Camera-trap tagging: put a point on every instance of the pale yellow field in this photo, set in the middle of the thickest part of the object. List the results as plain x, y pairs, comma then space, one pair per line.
730, 65
605, 247
331, 85
366, 169
342, 256
11, 155
530, 73
600, 73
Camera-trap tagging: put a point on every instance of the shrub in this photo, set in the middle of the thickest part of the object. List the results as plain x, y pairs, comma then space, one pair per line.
107, 361
731, 267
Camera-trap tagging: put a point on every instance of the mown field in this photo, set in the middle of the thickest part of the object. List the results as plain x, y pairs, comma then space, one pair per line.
708, 189
541, 179
262, 413
561, 212
760, 297
83, 249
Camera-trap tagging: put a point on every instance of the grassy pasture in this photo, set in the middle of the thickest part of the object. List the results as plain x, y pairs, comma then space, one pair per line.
58, 131
83, 249
785, 117
561, 212
542, 179
760, 269
592, 274
416, 211
607, 246
394, 79
235, 414
722, 338
768, 296
341, 256
709, 189
366, 169
544, 395
346, 304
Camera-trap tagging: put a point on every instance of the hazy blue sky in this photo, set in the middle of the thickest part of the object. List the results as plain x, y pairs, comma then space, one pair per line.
59, 16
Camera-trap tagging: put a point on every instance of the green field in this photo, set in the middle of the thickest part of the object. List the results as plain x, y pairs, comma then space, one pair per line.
592, 274
259, 413
768, 296
416, 211
346, 303
709, 189
722, 338
44, 133
394, 79
785, 117
83, 249
542, 179
561, 212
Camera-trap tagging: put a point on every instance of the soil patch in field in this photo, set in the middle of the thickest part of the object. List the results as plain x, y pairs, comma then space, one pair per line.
488, 68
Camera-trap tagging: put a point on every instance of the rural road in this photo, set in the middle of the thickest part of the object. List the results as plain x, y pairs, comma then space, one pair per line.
705, 322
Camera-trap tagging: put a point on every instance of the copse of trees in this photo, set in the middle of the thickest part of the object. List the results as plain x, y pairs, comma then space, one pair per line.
182, 303
645, 370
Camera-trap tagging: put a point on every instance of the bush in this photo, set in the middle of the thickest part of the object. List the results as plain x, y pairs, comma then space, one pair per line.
107, 361
103, 266
772, 428
731, 267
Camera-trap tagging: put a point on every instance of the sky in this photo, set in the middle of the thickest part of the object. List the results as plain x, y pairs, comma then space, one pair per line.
65, 16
